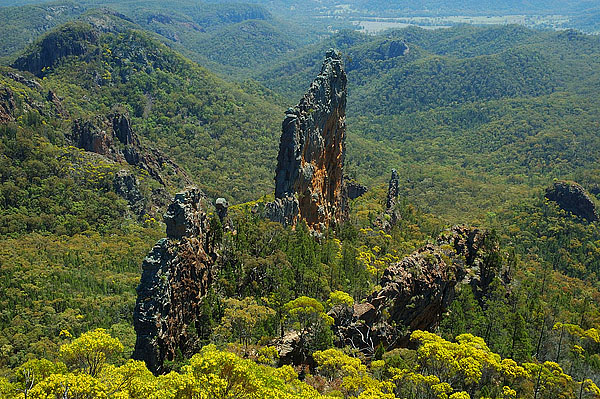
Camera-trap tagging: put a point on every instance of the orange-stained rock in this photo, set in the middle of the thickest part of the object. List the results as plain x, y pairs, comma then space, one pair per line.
309, 176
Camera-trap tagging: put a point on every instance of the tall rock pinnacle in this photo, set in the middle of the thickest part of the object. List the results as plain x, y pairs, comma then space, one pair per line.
176, 276
309, 179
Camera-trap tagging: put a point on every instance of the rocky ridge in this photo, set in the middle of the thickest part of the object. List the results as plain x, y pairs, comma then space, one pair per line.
176, 275
113, 137
7, 105
416, 292
309, 182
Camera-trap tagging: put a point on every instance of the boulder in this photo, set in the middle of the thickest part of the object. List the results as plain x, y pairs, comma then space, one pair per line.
573, 198
355, 189
221, 206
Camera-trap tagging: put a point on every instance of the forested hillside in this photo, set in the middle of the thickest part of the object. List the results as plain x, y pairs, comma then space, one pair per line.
468, 274
228, 38
477, 109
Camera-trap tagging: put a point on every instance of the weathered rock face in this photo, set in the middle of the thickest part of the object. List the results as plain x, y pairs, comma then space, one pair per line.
125, 185
390, 217
58, 106
573, 198
392, 48
70, 40
417, 291
309, 179
89, 136
354, 189
21, 79
122, 129
176, 275
392, 195
7, 105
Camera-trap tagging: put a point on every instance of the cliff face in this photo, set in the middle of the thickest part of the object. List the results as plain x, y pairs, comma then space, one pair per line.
573, 198
72, 39
309, 179
417, 291
176, 275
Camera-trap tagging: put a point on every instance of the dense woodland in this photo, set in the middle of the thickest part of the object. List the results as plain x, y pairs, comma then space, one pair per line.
468, 150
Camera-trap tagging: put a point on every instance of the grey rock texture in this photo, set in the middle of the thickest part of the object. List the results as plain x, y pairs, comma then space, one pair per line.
392, 195
184, 216
283, 210
7, 105
90, 136
308, 178
390, 217
221, 206
126, 186
573, 198
176, 275
417, 291
355, 189
122, 129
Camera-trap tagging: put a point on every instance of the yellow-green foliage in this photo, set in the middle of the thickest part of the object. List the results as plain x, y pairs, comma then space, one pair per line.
339, 298
463, 369
333, 363
306, 312
91, 350
210, 374
241, 318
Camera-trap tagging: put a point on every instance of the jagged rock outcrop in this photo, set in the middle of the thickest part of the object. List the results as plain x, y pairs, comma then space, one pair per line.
354, 189
573, 198
58, 105
176, 275
32, 84
7, 105
221, 207
122, 128
126, 186
114, 137
390, 217
417, 291
392, 195
90, 136
309, 176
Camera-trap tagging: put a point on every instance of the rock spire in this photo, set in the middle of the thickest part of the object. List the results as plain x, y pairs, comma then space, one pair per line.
309, 175
176, 275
